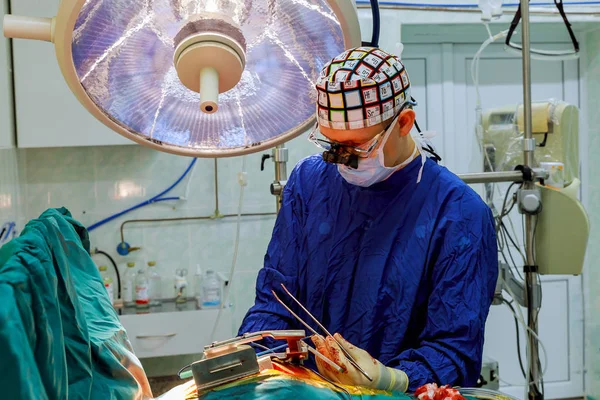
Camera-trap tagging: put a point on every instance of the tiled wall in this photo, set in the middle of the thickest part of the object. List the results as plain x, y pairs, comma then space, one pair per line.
10, 198
96, 182
592, 41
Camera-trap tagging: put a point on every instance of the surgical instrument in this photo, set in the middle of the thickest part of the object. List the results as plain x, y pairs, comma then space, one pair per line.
346, 353
310, 349
232, 359
294, 314
322, 357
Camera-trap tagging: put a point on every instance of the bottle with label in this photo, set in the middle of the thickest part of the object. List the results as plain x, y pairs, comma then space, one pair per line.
142, 286
155, 281
198, 279
180, 286
211, 290
128, 291
108, 283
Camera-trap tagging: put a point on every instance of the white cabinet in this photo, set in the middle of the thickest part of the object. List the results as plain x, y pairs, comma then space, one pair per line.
7, 138
47, 113
175, 333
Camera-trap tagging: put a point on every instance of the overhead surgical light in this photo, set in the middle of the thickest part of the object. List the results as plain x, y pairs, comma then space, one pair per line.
203, 78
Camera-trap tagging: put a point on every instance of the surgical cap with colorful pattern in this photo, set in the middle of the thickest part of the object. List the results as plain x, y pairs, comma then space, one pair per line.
361, 87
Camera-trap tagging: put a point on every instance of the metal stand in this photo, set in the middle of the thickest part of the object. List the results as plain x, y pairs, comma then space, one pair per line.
531, 276
279, 155
490, 177
529, 200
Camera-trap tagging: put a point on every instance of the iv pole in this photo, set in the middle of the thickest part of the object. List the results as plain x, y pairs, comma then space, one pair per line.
531, 275
527, 193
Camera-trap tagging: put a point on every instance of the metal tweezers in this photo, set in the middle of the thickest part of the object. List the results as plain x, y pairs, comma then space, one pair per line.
348, 355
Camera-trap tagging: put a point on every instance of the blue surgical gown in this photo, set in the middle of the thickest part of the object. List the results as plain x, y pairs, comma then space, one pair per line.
404, 270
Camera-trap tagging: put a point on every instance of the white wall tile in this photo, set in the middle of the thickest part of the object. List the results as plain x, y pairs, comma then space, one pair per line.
10, 196
243, 293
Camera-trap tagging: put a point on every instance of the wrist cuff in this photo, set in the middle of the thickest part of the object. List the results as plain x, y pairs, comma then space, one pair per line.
398, 380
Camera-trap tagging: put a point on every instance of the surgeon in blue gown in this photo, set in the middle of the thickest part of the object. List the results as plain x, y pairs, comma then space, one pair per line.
384, 246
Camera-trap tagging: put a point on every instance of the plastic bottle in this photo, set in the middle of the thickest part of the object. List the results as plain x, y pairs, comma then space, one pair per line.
108, 283
180, 286
129, 285
142, 286
211, 288
155, 284
198, 279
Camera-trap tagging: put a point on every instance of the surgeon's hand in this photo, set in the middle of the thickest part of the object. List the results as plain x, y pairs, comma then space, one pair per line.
384, 378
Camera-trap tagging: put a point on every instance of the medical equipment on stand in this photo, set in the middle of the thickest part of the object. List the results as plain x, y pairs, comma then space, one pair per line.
555, 128
541, 205
548, 214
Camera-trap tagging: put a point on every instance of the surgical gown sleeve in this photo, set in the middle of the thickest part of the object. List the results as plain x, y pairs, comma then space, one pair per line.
461, 287
281, 264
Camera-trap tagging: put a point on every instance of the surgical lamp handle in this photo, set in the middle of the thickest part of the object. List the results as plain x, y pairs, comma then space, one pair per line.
264, 158
36, 28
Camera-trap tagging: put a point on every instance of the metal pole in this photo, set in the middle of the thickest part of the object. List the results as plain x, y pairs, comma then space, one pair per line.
280, 158
531, 277
490, 177
217, 212
500, 176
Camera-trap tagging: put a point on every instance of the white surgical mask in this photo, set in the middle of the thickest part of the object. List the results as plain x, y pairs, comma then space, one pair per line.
373, 170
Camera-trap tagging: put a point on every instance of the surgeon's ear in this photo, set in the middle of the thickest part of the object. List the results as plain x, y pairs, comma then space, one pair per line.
406, 121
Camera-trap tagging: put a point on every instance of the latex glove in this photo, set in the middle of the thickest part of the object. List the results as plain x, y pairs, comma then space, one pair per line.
384, 378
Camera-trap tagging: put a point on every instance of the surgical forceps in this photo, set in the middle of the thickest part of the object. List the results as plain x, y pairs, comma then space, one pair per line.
348, 355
